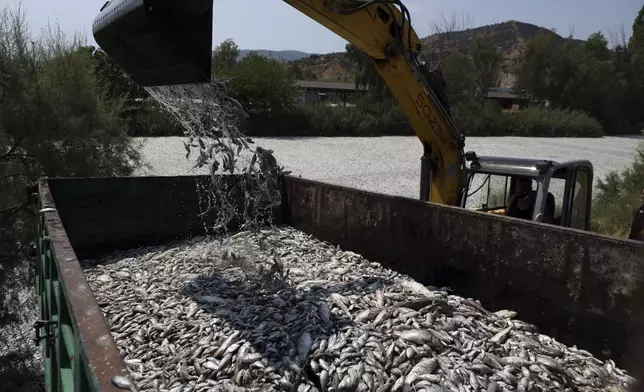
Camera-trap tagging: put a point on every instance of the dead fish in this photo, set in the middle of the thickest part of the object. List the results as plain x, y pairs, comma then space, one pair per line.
304, 346
324, 380
122, 382
420, 336
351, 321
424, 367
506, 314
501, 336
349, 382
417, 288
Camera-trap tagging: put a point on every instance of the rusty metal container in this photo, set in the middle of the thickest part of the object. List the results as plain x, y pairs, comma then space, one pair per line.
577, 286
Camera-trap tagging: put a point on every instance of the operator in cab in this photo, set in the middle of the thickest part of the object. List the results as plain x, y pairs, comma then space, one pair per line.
637, 226
521, 203
549, 211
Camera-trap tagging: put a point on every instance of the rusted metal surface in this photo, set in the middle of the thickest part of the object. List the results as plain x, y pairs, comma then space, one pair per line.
105, 214
97, 347
577, 286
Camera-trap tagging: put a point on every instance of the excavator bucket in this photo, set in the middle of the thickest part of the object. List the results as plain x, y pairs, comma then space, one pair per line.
158, 42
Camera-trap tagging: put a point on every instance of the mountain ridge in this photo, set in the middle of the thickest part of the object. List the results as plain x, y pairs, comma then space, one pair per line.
510, 37
279, 55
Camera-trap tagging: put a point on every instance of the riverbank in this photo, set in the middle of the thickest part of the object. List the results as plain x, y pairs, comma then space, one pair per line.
391, 164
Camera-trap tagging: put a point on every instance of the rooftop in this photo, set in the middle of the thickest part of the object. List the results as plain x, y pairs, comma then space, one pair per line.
493, 92
528, 167
317, 84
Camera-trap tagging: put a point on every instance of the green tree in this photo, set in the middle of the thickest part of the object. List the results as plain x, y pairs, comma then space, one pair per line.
111, 76
225, 56
141, 116
597, 46
599, 88
587, 77
296, 70
617, 196
636, 75
485, 59
548, 69
366, 74
469, 75
56, 119
636, 42
262, 85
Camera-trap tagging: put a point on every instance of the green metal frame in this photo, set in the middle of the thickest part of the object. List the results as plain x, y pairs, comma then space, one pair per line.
65, 365
79, 352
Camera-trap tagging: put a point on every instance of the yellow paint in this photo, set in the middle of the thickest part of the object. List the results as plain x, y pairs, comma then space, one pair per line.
368, 32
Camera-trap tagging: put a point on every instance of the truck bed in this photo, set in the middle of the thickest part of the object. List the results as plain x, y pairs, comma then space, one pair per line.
577, 287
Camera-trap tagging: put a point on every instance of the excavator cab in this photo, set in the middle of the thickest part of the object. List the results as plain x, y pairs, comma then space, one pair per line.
563, 190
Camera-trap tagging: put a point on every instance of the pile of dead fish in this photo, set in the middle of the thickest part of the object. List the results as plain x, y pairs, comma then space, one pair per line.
281, 311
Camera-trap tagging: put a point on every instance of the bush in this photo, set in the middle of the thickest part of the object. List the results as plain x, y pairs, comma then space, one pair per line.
617, 197
330, 121
384, 120
389, 120
55, 120
489, 120
357, 121
149, 120
552, 123
480, 120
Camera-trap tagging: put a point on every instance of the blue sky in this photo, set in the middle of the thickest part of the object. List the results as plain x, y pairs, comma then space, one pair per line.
272, 24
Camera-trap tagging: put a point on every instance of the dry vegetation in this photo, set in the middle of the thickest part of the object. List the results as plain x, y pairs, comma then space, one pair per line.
452, 37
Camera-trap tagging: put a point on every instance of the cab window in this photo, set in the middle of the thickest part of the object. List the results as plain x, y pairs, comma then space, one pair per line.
488, 192
557, 189
491, 192
579, 199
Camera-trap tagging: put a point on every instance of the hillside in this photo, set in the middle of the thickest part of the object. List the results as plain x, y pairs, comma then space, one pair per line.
510, 37
332, 67
280, 55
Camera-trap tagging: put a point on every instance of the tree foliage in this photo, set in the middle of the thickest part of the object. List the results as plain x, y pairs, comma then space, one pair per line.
225, 56
115, 82
367, 76
56, 119
261, 84
469, 75
617, 196
140, 115
607, 84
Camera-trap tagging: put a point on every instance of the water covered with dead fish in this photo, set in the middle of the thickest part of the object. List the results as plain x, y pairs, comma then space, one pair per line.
279, 310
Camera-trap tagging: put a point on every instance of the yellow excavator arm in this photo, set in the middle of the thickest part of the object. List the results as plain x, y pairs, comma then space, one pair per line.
382, 30
169, 42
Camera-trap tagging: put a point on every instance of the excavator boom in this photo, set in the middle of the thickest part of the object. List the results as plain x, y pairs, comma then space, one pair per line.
159, 42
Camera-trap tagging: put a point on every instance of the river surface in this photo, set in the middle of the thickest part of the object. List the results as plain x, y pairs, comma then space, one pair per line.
391, 165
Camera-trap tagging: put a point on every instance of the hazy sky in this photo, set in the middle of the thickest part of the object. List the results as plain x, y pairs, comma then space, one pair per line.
272, 24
